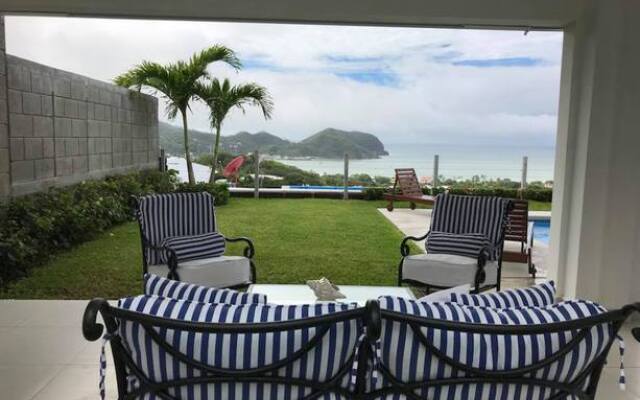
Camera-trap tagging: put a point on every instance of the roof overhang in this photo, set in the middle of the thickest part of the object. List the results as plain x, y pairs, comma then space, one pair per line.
499, 14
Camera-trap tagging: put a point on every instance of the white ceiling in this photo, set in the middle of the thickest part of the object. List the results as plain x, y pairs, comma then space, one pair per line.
542, 14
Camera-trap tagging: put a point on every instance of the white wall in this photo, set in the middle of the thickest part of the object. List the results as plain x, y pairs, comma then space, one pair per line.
596, 208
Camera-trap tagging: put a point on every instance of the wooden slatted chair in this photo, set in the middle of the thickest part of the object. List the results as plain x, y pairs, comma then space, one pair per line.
407, 188
519, 229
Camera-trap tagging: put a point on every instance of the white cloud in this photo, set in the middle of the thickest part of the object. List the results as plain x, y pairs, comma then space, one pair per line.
430, 100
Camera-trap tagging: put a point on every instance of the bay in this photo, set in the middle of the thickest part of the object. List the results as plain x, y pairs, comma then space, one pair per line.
456, 161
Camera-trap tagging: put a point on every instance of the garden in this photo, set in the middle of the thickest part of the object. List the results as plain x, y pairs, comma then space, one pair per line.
82, 241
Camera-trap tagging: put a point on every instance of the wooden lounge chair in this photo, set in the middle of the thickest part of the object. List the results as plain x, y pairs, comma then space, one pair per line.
519, 229
407, 188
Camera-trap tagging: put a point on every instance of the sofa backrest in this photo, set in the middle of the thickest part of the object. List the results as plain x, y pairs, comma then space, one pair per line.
174, 214
498, 359
391, 349
266, 359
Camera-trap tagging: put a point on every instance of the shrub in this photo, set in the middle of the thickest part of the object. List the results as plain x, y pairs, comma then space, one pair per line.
373, 193
220, 192
538, 194
34, 227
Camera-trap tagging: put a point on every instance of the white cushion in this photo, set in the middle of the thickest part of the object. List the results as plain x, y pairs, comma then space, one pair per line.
223, 271
446, 270
446, 294
540, 295
155, 285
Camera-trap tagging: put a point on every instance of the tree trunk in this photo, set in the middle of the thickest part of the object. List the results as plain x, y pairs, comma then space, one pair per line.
187, 152
212, 178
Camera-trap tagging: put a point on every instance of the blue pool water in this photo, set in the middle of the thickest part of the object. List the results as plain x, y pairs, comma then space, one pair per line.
541, 231
312, 187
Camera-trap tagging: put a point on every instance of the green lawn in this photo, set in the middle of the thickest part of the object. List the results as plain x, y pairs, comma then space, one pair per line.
295, 239
539, 206
349, 242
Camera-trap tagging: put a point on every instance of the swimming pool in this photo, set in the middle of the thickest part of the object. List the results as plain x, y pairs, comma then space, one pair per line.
541, 231
313, 187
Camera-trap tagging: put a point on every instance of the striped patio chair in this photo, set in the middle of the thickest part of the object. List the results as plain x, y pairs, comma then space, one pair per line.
180, 241
464, 245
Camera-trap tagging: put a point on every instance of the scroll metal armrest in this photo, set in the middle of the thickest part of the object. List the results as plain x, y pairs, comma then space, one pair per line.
628, 310
249, 251
405, 250
91, 329
172, 262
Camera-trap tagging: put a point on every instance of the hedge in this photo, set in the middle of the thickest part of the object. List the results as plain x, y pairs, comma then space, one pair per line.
538, 194
34, 227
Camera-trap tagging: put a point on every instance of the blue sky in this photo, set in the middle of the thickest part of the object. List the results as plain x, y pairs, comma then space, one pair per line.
402, 84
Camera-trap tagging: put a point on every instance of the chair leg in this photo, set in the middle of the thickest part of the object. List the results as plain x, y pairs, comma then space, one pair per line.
253, 271
400, 271
390, 206
532, 266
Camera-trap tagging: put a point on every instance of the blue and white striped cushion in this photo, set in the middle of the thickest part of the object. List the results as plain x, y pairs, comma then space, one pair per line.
155, 285
467, 245
471, 215
195, 247
239, 351
174, 214
409, 360
540, 295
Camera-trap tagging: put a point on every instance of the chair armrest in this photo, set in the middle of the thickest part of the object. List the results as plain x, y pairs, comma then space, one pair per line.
405, 250
249, 251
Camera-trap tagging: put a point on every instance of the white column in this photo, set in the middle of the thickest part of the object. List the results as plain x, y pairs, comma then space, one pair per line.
595, 233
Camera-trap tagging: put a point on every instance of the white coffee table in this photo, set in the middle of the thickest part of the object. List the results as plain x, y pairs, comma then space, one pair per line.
302, 294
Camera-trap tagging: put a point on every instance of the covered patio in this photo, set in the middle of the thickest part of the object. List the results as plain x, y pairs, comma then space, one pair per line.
594, 251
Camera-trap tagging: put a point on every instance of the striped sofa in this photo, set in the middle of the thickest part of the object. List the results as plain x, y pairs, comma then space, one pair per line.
180, 241
464, 244
392, 348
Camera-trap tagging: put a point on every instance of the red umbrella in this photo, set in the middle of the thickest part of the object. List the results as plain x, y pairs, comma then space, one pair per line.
233, 167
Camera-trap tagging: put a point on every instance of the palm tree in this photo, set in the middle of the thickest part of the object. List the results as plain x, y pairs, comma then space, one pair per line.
177, 82
221, 97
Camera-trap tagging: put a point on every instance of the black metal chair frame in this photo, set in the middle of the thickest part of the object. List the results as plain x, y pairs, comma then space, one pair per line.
480, 276
248, 251
92, 330
371, 317
519, 376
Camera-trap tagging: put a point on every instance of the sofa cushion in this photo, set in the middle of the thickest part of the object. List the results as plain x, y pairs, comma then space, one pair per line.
408, 359
235, 351
194, 247
446, 270
223, 271
155, 285
540, 295
467, 245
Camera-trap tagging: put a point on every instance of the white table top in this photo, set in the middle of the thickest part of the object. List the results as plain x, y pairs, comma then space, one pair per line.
302, 294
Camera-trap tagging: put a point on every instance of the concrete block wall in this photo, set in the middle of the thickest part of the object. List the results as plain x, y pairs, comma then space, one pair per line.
64, 128
5, 176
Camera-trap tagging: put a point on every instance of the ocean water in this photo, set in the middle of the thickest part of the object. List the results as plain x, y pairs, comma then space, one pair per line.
456, 161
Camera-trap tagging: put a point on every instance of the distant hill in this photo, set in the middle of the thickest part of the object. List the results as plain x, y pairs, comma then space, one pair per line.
328, 143
172, 140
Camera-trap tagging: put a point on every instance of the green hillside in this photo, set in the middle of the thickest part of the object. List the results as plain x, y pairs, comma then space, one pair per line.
328, 143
